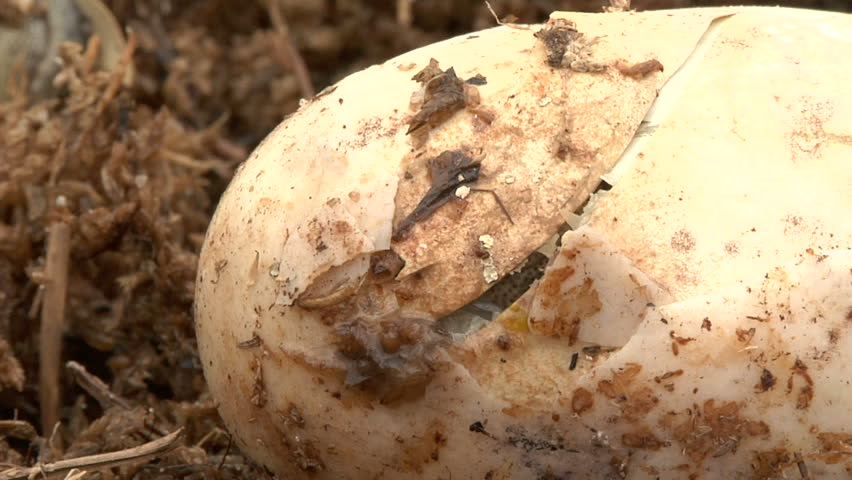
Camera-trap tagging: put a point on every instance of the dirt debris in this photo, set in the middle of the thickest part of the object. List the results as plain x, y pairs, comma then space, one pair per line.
134, 186
567, 47
442, 94
449, 170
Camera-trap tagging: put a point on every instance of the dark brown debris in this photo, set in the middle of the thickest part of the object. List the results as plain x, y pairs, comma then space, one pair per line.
394, 359
477, 80
574, 358
680, 340
566, 47
767, 381
133, 184
449, 170
707, 430
443, 96
668, 375
253, 342
744, 335
556, 36
806, 391
428, 72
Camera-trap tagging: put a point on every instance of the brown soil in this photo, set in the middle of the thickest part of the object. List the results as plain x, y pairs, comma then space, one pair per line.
106, 190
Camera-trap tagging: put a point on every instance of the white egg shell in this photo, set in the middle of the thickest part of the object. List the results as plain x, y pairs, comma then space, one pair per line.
730, 209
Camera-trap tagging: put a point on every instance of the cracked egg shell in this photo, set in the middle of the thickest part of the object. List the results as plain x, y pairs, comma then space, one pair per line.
317, 329
778, 178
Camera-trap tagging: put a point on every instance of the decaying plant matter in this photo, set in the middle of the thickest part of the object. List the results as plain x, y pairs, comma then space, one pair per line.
129, 185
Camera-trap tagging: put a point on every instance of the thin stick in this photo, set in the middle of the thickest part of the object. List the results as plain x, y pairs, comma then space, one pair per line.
95, 387
52, 323
35, 307
803, 467
291, 54
118, 74
61, 468
403, 12
227, 451
497, 198
502, 23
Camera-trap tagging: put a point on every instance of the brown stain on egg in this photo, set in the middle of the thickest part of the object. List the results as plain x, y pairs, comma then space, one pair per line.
682, 241
305, 455
639, 403
732, 247
710, 430
421, 448
621, 379
292, 417
771, 463
552, 283
805, 392
744, 335
642, 438
808, 135
581, 401
634, 401
834, 446
767, 381
342, 228
575, 305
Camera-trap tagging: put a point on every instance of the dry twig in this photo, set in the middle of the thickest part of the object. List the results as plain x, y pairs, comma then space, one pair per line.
500, 22
52, 323
119, 74
403, 12
288, 54
62, 468
95, 387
